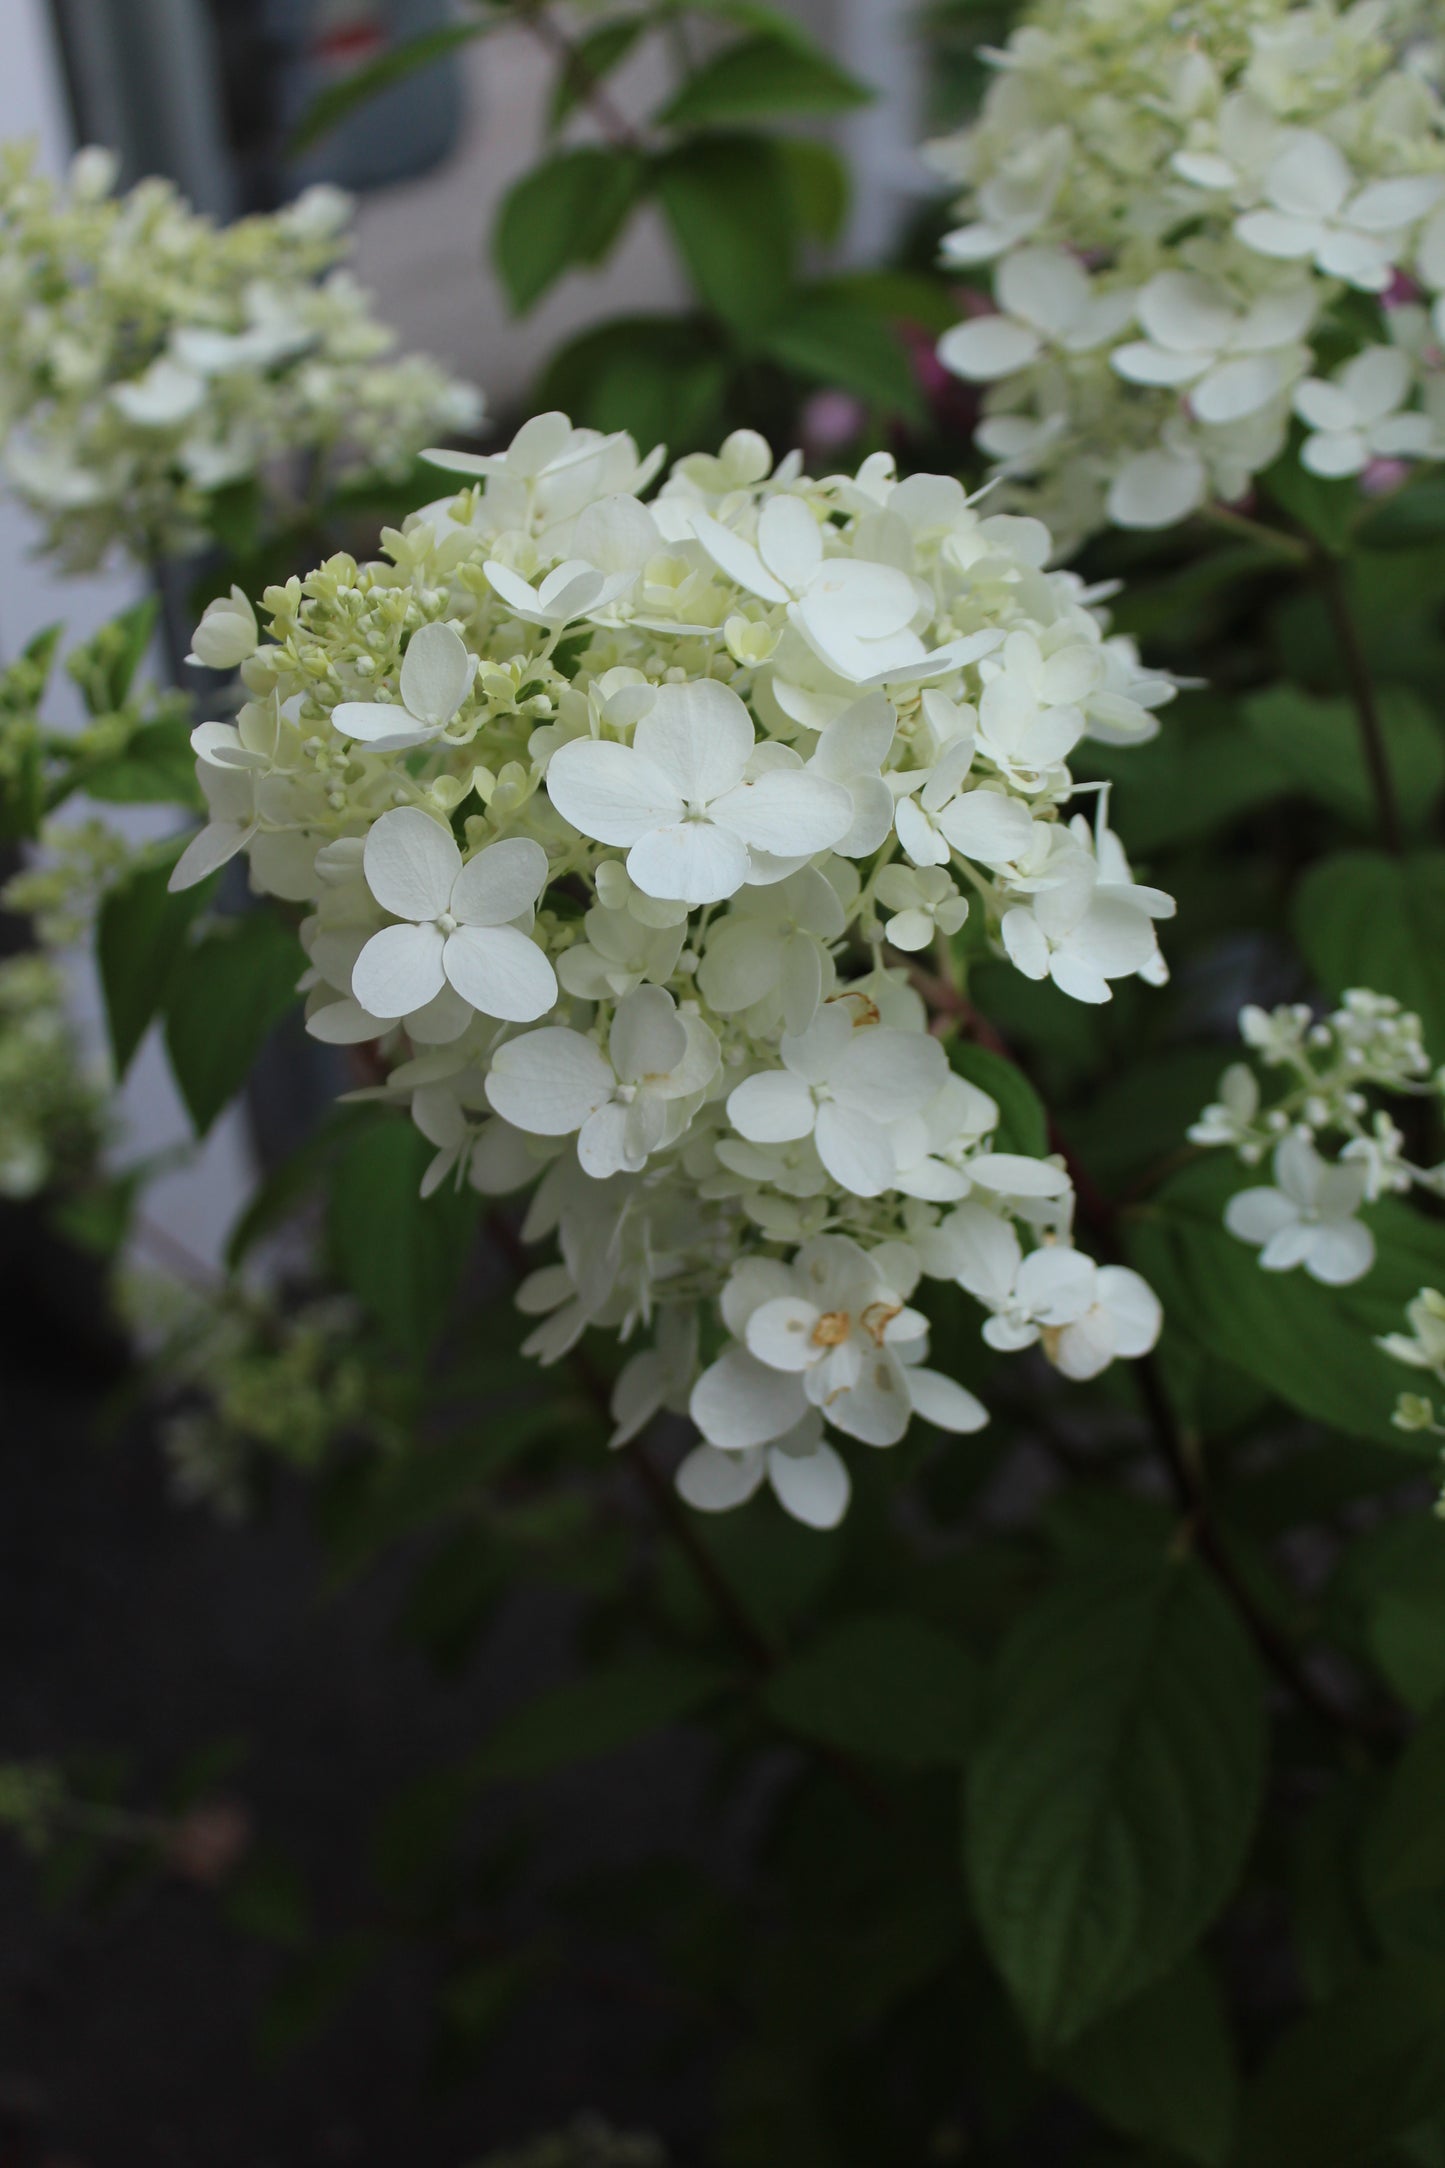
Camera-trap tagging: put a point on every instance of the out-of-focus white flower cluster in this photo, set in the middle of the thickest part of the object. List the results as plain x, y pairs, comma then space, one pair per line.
616, 823
1423, 1348
149, 359
1207, 216
247, 1378
49, 1108
1308, 1217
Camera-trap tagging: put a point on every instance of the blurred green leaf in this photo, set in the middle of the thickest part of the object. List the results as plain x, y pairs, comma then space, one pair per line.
568, 210
140, 941
1325, 509
1391, 1581
887, 1686
156, 768
821, 186
400, 1253
1365, 919
827, 334
594, 56
312, 1994
762, 78
268, 1900
1314, 1346
1352, 2075
1113, 1794
227, 995
606, 1709
660, 377
339, 100
1411, 516
1404, 1850
728, 201
1317, 745
1023, 1123
1162, 2069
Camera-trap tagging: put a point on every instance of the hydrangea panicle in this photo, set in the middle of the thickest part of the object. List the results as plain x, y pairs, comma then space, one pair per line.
617, 825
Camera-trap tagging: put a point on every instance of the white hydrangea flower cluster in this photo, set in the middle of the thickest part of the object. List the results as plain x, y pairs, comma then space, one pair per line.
49, 1107
606, 813
1207, 216
1308, 1217
149, 359
1423, 1348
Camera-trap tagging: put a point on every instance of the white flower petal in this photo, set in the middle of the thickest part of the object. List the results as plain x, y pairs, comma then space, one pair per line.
714, 1482
501, 883
411, 863
856, 1151
813, 1488
693, 863
501, 972
943, 1402
379, 725
647, 1036
548, 1082
699, 735
609, 792
780, 1333
789, 813
988, 347
774, 1108
436, 674
739, 1402
400, 969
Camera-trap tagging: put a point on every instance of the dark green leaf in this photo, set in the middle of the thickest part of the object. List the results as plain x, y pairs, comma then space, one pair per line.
569, 210
1349, 2077
268, 1901
400, 1253
599, 1713
1314, 1346
104, 667
1162, 2069
820, 183
888, 1686
1114, 1791
1411, 516
1404, 1854
156, 768
829, 336
294, 1178
594, 56
312, 1994
1203, 773
1317, 745
1329, 1927
1364, 919
140, 939
1392, 1581
227, 996
661, 377
1023, 1124
1325, 509
762, 78
728, 202
339, 100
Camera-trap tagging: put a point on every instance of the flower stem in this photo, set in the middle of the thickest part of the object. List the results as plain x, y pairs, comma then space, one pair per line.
1335, 592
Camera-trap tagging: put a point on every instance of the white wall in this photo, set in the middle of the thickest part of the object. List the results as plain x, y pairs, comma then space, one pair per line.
194, 1206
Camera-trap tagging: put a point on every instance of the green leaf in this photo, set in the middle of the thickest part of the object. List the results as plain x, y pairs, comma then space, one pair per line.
339, 100
1325, 509
593, 59
1352, 2075
762, 78
568, 210
1313, 1346
400, 1253
888, 1686
662, 378
269, 1901
1392, 1582
1329, 1926
1114, 1791
1365, 919
1162, 2069
104, 667
313, 1993
227, 996
599, 1713
140, 940
156, 768
294, 1178
1404, 1852
1023, 1124
829, 336
1317, 745
1411, 516
821, 186
728, 202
